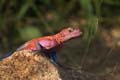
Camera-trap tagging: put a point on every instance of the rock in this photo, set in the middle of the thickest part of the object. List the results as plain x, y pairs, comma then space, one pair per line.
26, 65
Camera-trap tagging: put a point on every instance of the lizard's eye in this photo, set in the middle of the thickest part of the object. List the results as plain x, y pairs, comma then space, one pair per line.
70, 29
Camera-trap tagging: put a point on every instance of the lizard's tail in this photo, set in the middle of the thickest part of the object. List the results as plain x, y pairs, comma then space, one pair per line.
7, 55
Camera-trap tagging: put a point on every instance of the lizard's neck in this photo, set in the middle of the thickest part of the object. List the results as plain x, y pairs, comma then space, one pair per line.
59, 38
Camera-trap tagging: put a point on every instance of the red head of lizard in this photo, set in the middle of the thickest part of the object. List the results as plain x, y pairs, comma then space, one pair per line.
68, 33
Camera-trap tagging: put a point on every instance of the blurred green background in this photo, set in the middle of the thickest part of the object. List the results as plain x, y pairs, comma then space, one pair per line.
22, 20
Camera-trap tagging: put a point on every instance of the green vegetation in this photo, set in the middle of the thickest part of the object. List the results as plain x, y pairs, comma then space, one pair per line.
22, 20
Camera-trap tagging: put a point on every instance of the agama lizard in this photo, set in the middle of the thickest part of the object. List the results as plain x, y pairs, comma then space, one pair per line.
48, 44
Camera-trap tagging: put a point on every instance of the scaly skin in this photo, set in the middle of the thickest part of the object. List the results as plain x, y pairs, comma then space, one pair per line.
52, 41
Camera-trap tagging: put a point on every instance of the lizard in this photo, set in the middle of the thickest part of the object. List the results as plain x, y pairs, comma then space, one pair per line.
48, 44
